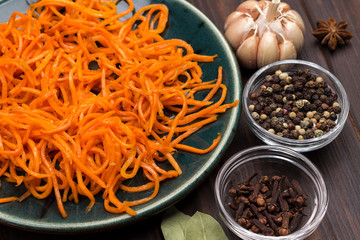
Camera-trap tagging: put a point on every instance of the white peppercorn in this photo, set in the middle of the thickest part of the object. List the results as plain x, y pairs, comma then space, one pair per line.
301, 131
309, 114
251, 108
319, 80
292, 115
283, 76
326, 114
255, 115
263, 116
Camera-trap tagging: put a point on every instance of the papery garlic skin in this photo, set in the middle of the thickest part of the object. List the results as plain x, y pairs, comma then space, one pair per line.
259, 40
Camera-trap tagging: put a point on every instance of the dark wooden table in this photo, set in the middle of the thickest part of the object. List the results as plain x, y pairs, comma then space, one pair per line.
339, 162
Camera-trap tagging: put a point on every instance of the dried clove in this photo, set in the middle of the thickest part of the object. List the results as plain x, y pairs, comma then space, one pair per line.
254, 194
283, 203
240, 210
284, 229
263, 228
259, 216
274, 196
270, 206
295, 222
271, 222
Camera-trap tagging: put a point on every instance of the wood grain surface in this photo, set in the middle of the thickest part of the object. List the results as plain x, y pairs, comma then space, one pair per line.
339, 162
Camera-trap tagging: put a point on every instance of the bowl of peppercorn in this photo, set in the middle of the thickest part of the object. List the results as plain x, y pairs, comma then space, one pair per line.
270, 192
295, 103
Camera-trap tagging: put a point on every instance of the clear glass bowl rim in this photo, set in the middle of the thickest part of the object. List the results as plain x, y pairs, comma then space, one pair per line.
239, 158
293, 142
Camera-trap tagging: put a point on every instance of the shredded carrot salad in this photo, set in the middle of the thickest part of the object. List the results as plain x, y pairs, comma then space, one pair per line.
85, 101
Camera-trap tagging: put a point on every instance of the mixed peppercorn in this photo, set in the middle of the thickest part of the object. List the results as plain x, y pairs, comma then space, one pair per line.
296, 105
272, 206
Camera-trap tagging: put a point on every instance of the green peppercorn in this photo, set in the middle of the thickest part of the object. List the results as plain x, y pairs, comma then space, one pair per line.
263, 116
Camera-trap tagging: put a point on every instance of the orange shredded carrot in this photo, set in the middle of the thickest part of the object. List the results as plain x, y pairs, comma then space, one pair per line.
89, 100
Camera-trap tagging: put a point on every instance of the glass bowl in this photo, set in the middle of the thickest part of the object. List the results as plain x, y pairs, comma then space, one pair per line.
272, 160
305, 145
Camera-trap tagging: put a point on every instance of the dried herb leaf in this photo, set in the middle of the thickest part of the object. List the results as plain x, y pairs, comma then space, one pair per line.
173, 224
179, 226
203, 227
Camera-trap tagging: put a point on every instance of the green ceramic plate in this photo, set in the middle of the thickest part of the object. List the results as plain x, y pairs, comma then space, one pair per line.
189, 24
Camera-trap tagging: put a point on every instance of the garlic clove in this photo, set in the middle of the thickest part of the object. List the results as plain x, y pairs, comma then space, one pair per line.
296, 18
247, 52
238, 30
287, 50
294, 34
250, 7
268, 50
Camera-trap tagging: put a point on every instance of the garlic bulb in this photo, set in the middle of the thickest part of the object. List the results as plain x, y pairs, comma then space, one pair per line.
263, 32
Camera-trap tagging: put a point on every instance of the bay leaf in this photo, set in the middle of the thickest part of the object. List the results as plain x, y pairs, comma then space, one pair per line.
173, 224
202, 226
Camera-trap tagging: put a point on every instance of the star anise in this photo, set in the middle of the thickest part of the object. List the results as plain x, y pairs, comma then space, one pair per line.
332, 33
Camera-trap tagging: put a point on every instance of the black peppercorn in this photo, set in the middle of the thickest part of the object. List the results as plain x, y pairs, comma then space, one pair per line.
299, 95
318, 102
296, 120
320, 110
337, 109
273, 106
265, 92
290, 97
307, 95
283, 83
276, 88
306, 107
290, 89
295, 109
298, 85
266, 125
278, 128
301, 115
269, 100
334, 96
267, 110
279, 114
278, 98
276, 79
327, 91
315, 97
333, 117
312, 107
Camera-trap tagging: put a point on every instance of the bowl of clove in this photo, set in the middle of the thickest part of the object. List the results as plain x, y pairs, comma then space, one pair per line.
296, 104
270, 192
